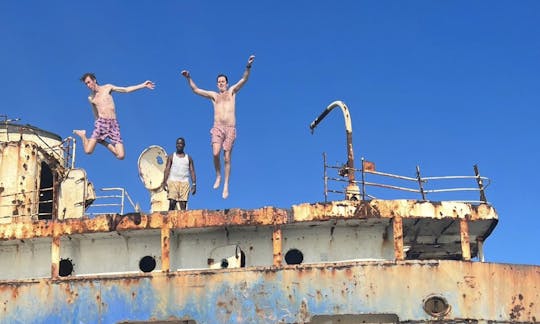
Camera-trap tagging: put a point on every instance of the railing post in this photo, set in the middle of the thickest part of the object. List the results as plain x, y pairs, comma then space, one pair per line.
480, 184
122, 201
363, 180
325, 179
420, 184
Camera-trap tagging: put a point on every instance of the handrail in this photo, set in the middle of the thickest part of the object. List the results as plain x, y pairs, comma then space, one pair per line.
421, 182
98, 202
37, 203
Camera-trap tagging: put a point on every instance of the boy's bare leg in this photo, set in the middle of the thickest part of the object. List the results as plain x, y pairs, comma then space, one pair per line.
117, 150
227, 167
216, 148
89, 144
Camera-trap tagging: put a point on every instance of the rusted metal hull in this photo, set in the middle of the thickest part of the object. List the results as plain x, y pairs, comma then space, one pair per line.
474, 291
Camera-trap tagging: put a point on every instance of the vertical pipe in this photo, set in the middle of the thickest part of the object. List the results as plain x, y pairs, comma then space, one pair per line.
397, 226
277, 246
352, 190
480, 243
465, 243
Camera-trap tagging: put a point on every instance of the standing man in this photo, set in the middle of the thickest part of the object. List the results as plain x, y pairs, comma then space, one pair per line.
224, 129
106, 124
175, 178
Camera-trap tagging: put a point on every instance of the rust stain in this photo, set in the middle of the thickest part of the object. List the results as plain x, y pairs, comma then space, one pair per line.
397, 225
470, 281
277, 246
303, 312
465, 241
267, 216
165, 248
517, 308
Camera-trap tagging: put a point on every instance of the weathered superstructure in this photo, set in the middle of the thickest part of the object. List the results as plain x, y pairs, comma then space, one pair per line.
359, 260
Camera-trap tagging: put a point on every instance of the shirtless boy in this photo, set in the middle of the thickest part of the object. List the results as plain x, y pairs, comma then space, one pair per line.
224, 129
106, 124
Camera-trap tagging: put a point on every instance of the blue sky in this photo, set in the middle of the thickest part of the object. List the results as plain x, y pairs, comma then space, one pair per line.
440, 84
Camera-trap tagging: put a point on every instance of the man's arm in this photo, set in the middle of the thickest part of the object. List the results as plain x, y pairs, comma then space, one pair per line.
193, 176
166, 172
146, 84
235, 88
197, 90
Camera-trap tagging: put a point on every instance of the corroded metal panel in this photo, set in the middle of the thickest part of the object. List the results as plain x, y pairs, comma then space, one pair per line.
72, 194
49, 142
337, 233
267, 216
19, 180
390, 208
293, 294
158, 201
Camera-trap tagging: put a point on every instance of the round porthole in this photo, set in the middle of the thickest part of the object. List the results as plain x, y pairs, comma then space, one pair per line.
436, 306
66, 267
147, 264
294, 256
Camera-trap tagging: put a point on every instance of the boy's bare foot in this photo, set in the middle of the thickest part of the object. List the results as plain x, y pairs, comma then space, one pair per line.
225, 193
80, 132
218, 182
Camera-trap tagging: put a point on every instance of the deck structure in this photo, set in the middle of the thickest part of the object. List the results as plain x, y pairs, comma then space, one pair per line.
359, 260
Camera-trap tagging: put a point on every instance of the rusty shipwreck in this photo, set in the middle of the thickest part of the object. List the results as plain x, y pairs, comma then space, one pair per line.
359, 259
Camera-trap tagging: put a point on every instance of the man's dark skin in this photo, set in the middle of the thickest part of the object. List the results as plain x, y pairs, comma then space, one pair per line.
180, 144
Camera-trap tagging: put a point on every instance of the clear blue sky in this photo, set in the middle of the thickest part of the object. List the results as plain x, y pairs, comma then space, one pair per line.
440, 84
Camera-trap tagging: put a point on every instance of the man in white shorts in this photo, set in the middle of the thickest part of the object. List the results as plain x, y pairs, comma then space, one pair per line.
178, 169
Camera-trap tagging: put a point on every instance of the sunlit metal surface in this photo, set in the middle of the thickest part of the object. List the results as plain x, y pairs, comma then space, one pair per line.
350, 261
290, 294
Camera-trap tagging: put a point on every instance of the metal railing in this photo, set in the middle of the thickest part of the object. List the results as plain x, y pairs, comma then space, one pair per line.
21, 199
423, 186
102, 203
69, 144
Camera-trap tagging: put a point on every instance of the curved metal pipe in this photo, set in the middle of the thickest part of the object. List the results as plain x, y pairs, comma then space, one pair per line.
352, 189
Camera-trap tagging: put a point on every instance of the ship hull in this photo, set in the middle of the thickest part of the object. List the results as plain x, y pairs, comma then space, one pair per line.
382, 291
